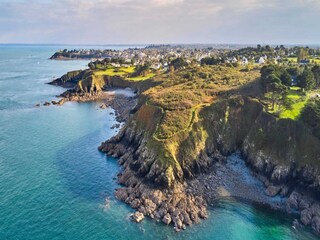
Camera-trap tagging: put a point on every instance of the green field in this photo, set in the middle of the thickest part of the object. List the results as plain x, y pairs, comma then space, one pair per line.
114, 71
123, 71
300, 100
142, 78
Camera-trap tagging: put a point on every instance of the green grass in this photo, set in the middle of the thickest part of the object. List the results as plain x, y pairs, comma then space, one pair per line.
123, 71
127, 69
295, 111
299, 99
294, 93
142, 78
315, 60
114, 71
109, 72
293, 59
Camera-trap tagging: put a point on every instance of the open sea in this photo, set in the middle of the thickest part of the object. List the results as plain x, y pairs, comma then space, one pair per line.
54, 181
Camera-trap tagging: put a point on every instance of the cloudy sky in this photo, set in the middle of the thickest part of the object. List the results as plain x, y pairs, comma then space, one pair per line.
160, 21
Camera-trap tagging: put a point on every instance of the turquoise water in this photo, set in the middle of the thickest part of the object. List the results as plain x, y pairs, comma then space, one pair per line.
54, 182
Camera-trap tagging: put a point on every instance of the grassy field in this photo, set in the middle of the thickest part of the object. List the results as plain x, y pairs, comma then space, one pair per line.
312, 60
300, 99
124, 72
293, 59
295, 111
114, 71
316, 60
142, 78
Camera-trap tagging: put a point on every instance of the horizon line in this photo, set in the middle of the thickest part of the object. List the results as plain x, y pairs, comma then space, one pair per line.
159, 44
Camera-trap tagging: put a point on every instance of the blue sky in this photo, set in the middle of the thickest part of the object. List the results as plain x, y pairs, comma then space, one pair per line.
160, 21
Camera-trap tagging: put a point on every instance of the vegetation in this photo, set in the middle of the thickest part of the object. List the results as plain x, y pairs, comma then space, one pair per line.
178, 63
285, 100
310, 115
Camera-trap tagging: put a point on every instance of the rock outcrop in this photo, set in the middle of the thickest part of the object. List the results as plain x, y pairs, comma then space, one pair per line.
226, 126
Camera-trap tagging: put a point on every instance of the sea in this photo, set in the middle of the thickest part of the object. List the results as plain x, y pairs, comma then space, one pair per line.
56, 185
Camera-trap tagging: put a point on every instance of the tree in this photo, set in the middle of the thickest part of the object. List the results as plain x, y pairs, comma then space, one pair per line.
91, 66
306, 80
269, 75
285, 78
310, 115
141, 70
302, 54
178, 63
316, 72
278, 92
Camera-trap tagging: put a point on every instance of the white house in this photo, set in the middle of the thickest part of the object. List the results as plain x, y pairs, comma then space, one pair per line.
244, 61
262, 60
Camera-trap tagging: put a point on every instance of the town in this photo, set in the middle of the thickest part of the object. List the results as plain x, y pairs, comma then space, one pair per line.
159, 56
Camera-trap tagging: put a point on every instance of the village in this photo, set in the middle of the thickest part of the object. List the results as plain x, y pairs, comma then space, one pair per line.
159, 56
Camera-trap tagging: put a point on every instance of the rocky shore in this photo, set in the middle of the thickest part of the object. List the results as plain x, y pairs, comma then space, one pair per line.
175, 206
121, 101
162, 195
172, 178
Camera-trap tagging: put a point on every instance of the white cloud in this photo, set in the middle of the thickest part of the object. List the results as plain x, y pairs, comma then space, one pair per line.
146, 21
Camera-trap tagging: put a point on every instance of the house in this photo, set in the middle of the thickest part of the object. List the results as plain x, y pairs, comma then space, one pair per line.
261, 60
244, 61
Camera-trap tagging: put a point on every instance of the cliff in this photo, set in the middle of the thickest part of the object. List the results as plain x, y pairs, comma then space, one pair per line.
283, 152
187, 121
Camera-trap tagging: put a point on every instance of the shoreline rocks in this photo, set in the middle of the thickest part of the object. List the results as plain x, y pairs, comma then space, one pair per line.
137, 216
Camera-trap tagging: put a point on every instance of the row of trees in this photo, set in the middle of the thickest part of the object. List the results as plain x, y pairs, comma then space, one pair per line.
141, 70
212, 61
276, 81
273, 76
310, 115
178, 63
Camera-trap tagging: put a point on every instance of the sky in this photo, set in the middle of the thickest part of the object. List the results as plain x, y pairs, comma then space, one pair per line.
160, 21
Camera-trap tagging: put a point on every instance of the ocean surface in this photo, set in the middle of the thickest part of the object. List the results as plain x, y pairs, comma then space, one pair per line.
54, 183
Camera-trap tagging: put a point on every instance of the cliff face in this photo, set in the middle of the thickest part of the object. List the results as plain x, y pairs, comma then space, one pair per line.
283, 152
86, 81
182, 125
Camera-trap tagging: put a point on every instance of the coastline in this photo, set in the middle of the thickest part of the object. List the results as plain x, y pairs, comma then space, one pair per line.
182, 202
229, 177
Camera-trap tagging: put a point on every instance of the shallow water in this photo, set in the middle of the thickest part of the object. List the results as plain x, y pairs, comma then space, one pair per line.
53, 181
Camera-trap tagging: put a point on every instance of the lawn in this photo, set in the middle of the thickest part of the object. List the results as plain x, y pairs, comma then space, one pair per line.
127, 69
142, 78
315, 60
114, 71
295, 93
123, 71
300, 100
293, 59
295, 111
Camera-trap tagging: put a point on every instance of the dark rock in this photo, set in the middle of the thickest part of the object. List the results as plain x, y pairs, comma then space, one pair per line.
293, 201
61, 101
306, 216
273, 190
315, 224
